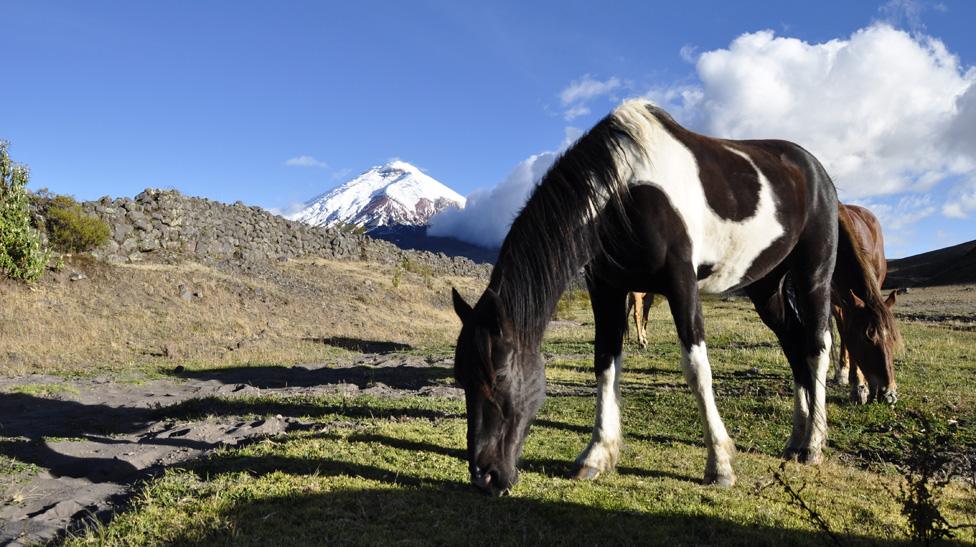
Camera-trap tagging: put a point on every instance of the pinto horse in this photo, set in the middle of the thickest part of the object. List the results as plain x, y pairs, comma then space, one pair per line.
643, 204
855, 340
639, 303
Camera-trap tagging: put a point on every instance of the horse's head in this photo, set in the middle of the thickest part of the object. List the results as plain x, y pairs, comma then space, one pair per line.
872, 339
504, 386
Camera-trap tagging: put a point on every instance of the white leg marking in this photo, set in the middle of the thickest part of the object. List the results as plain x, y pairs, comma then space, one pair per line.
801, 415
698, 374
604, 449
817, 422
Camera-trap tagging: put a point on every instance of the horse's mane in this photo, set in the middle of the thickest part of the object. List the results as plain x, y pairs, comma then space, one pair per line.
854, 272
575, 213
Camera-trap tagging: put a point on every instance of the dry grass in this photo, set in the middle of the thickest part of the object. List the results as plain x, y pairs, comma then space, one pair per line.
133, 316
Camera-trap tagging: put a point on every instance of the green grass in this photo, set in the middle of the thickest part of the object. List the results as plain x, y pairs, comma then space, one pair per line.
391, 471
42, 390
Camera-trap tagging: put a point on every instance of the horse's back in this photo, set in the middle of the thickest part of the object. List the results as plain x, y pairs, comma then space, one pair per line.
744, 204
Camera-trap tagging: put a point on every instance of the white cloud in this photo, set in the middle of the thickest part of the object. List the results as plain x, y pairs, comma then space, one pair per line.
575, 96
587, 88
489, 213
902, 214
874, 108
909, 12
305, 161
689, 53
576, 111
287, 210
887, 112
961, 201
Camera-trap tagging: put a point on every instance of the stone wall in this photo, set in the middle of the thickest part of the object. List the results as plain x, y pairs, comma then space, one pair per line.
164, 221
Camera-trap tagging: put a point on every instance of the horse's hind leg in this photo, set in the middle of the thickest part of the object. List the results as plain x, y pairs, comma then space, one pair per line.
610, 322
640, 316
809, 359
686, 310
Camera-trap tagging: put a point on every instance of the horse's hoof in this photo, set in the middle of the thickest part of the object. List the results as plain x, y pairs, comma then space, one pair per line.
586, 473
860, 395
810, 457
791, 454
722, 481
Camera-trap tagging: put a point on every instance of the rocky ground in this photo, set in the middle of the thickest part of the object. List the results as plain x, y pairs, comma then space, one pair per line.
82, 445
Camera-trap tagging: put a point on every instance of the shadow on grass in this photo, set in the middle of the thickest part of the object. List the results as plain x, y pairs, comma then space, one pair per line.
413, 510
295, 407
402, 376
359, 345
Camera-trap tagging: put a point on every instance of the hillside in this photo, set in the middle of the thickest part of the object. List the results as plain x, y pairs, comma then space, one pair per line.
187, 280
948, 266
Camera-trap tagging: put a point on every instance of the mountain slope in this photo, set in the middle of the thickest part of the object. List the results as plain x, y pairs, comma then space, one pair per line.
396, 193
948, 266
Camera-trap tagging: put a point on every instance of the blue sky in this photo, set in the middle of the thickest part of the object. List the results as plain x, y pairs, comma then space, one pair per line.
214, 98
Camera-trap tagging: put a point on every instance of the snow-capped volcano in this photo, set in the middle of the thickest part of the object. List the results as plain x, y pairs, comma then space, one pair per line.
393, 194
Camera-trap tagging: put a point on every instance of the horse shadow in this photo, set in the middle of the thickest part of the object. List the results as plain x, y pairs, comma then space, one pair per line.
411, 509
28, 422
359, 345
400, 376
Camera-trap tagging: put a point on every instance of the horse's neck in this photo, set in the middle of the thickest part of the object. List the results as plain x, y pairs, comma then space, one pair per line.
529, 307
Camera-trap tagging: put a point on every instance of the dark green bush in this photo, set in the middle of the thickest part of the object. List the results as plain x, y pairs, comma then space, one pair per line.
21, 254
70, 230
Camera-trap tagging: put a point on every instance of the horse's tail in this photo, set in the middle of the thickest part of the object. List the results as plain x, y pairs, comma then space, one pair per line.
856, 283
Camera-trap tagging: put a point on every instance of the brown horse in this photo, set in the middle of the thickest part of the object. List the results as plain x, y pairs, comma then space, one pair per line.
640, 303
848, 311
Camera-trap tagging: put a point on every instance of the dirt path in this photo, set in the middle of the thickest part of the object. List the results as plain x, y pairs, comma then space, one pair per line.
88, 442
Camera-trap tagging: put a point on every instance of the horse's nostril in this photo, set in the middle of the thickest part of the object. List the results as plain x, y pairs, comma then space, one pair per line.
483, 480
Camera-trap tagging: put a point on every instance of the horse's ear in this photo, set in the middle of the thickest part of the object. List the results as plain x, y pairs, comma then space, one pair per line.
461, 308
857, 301
494, 315
890, 301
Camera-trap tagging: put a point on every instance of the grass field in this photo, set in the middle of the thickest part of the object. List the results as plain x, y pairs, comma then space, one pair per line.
392, 471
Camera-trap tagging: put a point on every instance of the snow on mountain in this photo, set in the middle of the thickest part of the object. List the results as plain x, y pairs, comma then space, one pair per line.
393, 194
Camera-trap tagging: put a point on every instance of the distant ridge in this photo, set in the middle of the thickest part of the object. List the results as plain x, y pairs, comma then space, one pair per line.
949, 266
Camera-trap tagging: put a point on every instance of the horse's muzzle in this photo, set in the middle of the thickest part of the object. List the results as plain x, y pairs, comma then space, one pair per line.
888, 396
489, 482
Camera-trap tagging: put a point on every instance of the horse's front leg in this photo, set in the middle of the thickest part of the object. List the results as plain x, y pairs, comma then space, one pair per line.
686, 310
610, 322
860, 393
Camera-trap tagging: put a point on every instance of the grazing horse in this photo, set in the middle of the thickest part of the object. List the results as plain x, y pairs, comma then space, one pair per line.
643, 204
848, 313
640, 304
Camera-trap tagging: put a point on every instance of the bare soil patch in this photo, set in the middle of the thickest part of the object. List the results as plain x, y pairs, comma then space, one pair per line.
83, 444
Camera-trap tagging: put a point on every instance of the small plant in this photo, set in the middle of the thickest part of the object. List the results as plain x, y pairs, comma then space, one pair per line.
350, 228
71, 230
796, 500
21, 254
931, 464
397, 277
423, 270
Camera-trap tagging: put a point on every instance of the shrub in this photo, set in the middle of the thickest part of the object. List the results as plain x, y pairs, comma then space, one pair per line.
21, 254
71, 230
